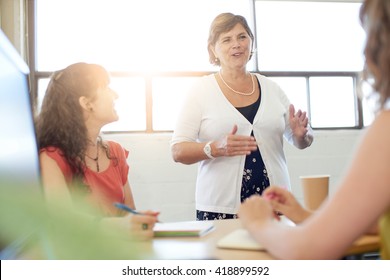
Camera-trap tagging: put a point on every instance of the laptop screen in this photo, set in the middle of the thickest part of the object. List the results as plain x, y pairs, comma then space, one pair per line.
19, 162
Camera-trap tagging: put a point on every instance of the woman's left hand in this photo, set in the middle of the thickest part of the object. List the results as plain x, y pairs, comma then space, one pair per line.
254, 211
298, 122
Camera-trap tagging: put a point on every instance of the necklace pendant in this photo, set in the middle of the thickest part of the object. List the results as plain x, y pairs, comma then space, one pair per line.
95, 159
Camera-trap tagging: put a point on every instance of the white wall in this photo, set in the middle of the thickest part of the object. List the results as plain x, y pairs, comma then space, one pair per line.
161, 184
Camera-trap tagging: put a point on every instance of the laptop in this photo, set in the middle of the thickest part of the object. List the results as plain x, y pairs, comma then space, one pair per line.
19, 162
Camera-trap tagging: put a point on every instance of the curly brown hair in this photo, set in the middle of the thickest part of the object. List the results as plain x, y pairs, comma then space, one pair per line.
60, 123
375, 19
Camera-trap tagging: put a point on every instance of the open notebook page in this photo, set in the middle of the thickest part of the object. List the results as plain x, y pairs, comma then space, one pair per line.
187, 228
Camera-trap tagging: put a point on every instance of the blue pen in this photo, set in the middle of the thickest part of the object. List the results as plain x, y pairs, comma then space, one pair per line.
131, 210
126, 208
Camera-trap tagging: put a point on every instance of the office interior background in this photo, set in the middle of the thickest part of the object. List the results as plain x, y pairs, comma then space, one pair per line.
155, 49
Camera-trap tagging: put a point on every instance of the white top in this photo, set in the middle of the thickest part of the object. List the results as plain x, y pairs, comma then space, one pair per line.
207, 115
387, 104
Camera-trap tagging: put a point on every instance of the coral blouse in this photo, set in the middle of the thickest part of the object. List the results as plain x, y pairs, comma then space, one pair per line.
105, 187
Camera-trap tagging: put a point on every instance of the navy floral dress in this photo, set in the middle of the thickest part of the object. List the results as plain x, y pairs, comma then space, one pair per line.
255, 177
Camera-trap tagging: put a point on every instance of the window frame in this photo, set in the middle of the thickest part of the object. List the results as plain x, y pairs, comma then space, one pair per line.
148, 77
307, 75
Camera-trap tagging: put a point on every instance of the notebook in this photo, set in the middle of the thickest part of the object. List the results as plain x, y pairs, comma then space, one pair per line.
187, 228
239, 239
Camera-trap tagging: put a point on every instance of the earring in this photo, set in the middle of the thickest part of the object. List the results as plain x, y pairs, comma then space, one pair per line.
216, 60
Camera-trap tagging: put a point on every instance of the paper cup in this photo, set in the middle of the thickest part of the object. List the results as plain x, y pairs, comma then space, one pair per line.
315, 190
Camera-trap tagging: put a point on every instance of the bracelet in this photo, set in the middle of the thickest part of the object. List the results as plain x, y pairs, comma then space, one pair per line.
207, 150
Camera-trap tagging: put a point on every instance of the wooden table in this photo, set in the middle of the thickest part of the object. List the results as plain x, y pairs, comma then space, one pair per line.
205, 247
366, 244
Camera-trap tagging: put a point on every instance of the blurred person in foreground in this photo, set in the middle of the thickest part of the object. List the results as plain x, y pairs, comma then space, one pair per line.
363, 196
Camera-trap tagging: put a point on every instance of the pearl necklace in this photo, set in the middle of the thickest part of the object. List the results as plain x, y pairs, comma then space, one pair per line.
238, 92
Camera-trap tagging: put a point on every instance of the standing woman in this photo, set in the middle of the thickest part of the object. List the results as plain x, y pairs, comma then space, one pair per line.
233, 123
76, 162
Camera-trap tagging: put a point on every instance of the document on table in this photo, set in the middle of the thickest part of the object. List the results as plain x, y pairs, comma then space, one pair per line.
187, 228
239, 239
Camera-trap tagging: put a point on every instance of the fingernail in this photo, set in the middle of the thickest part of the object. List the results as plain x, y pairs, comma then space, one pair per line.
269, 196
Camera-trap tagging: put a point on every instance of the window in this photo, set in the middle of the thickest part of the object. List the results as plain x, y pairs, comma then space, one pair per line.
309, 36
333, 100
296, 89
155, 49
317, 47
168, 94
130, 103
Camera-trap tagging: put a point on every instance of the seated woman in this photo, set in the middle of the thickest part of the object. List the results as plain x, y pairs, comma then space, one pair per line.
77, 164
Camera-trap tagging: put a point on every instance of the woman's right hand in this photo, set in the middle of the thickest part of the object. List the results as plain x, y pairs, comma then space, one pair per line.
283, 201
142, 225
234, 145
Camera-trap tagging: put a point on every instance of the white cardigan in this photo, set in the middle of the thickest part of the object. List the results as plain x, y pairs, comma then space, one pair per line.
207, 116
